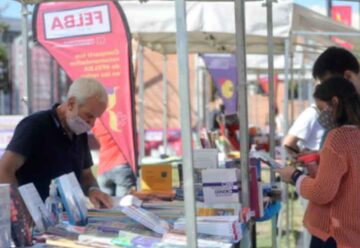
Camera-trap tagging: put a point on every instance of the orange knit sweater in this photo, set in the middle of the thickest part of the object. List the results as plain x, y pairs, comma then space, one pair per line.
334, 194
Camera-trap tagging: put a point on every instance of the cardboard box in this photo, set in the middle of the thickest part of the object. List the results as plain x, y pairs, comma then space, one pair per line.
221, 185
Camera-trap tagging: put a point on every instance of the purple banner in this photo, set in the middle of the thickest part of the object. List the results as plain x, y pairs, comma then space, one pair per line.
222, 68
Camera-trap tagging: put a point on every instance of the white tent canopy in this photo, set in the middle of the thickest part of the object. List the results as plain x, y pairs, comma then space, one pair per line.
211, 26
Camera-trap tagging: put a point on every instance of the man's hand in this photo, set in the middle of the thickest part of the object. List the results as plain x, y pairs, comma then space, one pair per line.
91, 188
286, 173
100, 199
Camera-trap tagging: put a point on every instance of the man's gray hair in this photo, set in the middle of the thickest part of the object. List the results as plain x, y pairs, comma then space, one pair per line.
83, 88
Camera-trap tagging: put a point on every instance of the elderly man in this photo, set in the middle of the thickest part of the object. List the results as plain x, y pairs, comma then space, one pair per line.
50, 143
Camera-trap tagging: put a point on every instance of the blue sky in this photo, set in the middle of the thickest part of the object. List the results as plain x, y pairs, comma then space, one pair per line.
13, 9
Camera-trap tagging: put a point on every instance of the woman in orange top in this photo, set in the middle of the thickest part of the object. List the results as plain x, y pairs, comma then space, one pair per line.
333, 214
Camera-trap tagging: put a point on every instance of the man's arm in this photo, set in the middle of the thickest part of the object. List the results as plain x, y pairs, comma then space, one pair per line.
290, 144
9, 164
91, 189
88, 180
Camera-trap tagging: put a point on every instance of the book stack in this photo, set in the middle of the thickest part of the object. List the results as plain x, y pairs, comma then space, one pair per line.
113, 228
169, 211
130, 239
224, 226
148, 219
177, 239
103, 215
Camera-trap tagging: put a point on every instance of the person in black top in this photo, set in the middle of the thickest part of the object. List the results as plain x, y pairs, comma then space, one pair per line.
51, 143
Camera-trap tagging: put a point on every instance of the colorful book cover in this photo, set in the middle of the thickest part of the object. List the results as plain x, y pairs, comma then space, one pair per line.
80, 196
254, 193
73, 206
21, 222
36, 207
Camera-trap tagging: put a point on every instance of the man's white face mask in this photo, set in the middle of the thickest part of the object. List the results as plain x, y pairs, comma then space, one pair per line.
76, 124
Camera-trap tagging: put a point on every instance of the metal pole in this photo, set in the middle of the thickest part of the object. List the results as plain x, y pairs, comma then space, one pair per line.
328, 7
208, 121
300, 91
26, 58
186, 137
141, 104
310, 92
202, 98
242, 108
303, 81
199, 98
270, 40
292, 90
2, 102
286, 128
165, 104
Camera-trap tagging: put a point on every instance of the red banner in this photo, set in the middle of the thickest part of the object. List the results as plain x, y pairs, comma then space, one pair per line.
92, 39
342, 14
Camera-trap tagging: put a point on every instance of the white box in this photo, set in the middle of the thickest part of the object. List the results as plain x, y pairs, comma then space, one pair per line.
221, 185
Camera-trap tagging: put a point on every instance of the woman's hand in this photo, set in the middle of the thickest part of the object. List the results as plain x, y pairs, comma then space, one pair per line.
286, 173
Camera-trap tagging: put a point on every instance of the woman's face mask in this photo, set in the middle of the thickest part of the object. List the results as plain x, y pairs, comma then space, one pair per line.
76, 124
326, 118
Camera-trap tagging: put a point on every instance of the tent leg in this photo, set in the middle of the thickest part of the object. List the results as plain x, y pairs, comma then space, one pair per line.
207, 87
165, 104
285, 130
199, 94
26, 57
243, 109
183, 80
272, 102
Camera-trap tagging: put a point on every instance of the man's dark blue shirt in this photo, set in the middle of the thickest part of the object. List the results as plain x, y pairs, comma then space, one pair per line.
48, 150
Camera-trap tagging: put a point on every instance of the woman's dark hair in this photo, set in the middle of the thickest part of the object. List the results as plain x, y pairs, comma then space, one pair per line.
347, 111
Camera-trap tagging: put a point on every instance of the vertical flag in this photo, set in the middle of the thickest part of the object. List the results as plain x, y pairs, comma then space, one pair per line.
92, 39
342, 14
222, 68
264, 84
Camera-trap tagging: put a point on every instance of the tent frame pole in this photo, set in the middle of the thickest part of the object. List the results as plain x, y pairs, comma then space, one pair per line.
285, 130
242, 110
165, 104
26, 59
186, 137
270, 42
